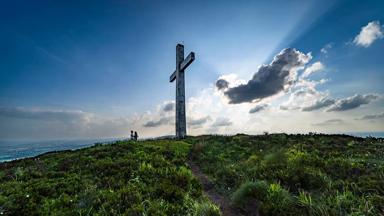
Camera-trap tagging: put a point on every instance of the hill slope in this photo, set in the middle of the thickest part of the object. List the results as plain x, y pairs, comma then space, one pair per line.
296, 174
130, 178
274, 174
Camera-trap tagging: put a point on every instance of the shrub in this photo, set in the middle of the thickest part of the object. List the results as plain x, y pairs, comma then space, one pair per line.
227, 176
277, 202
250, 192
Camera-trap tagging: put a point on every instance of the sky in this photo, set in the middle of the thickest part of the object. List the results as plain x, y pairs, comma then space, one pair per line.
98, 69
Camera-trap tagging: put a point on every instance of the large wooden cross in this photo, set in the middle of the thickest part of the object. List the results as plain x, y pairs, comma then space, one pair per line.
178, 75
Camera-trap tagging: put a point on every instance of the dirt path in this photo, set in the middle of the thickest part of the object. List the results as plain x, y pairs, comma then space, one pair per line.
211, 192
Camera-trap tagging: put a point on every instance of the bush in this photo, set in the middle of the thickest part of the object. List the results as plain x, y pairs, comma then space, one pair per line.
250, 192
278, 201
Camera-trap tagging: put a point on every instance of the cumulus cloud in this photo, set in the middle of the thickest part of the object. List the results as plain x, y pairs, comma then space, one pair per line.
315, 67
162, 121
168, 106
221, 84
222, 122
368, 34
372, 117
258, 108
305, 96
270, 79
352, 102
319, 104
329, 122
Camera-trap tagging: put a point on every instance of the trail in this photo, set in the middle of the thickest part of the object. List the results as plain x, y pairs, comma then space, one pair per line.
211, 192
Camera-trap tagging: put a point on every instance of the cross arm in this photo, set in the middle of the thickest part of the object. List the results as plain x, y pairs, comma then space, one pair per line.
187, 61
172, 77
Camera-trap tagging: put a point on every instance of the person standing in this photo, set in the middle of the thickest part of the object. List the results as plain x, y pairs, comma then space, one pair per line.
132, 136
136, 136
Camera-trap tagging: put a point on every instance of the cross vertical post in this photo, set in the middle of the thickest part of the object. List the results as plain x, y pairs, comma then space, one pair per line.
178, 75
181, 130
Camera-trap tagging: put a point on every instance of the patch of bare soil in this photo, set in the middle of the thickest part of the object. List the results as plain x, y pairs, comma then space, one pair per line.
223, 202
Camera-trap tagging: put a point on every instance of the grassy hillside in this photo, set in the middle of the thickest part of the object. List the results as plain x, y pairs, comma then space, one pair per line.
131, 178
276, 174
296, 174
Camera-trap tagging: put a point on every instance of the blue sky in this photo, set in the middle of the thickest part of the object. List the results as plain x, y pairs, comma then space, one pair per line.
104, 65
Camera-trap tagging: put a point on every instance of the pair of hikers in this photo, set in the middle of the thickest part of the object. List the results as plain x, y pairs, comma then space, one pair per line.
134, 136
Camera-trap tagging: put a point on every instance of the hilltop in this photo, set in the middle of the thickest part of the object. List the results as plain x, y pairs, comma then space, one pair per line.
275, 174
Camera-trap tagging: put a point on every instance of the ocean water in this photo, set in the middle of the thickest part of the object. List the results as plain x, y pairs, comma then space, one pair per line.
17, 149
367, 134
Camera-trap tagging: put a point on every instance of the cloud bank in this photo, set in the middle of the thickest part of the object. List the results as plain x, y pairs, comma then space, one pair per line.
45, 115
25, 123
352, 102
337, 105
319, 104
329, 122
372, 117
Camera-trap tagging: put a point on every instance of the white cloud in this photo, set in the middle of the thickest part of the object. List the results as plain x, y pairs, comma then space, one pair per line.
326, 48
315, 67
368, 34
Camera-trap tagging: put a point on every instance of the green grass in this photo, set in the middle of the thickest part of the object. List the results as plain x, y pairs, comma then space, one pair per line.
277, 174
124, 178
296, 174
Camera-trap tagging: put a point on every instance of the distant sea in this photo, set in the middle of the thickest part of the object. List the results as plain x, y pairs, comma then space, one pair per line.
367, 134
12, 149
17, 149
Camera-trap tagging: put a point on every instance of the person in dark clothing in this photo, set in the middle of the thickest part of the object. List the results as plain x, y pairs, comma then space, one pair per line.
136, 136
132, 137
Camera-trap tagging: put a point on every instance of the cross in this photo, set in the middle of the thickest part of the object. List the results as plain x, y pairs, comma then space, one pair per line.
178, 75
